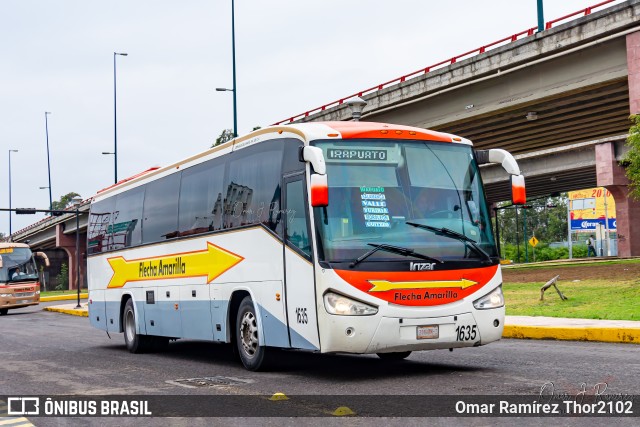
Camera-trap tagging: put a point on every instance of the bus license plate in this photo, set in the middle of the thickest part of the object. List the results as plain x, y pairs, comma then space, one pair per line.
24, 301
427, 332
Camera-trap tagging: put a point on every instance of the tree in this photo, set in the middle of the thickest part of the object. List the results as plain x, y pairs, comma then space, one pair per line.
546, 219
631, 160
64, 201
225, 136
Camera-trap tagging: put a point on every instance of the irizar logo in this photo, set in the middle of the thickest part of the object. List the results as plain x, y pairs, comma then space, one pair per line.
421, 266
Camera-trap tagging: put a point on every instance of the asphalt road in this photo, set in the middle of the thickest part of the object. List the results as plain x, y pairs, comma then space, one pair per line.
47, 353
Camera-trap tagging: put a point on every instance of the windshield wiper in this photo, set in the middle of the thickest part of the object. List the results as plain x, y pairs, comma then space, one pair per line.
454, 235
393, 249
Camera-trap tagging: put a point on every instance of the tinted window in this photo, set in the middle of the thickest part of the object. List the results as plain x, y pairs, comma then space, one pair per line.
291, 161
161, 209
252, 194
297, 227
99, 228
201, 198
126, 228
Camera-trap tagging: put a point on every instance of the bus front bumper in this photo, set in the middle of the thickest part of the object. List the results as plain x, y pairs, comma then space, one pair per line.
12, 302
395, 334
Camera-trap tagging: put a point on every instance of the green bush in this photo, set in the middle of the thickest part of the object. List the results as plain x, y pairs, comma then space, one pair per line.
542, 252
63, 278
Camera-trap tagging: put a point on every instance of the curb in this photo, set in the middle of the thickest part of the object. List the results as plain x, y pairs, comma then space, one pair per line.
82, 312
614, 335
69, 297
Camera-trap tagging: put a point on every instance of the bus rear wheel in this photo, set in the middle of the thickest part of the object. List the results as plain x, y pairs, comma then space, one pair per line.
252, 355
399, 355
3, 311
135, 342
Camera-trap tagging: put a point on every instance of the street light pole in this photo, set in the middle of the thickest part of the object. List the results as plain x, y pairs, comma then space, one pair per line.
10, 151
233, 55
233, 52
115, 119
46, 126
540, 16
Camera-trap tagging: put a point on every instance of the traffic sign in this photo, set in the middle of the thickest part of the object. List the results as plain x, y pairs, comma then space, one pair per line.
533, 241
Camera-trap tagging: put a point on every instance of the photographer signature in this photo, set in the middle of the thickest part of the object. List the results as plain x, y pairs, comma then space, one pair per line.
549, 392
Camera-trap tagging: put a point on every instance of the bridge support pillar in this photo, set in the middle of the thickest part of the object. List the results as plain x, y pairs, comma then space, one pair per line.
67, 242
633, 69
612, 176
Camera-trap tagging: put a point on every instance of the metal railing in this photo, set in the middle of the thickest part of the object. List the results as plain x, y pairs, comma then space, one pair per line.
506, 40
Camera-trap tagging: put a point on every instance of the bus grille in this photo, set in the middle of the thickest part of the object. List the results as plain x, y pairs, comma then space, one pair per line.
24, 294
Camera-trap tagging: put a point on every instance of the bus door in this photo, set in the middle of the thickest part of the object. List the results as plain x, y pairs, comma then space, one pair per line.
298, 266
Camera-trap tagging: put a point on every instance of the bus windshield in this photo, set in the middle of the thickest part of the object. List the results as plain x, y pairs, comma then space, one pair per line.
380, 192
17, 265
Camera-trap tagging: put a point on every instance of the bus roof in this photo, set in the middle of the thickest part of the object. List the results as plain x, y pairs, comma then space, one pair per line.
306, 132
352, 130
5, 245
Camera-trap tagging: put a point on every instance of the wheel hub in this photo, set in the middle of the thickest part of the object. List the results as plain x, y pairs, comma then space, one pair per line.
249, 334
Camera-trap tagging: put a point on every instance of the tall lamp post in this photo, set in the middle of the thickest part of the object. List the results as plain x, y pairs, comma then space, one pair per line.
115, 118
540, 16
10, 230
234, 88
46, 127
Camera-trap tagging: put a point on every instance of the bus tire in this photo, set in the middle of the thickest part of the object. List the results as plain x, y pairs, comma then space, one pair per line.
135, 342
3, 311
398, 355
252, 355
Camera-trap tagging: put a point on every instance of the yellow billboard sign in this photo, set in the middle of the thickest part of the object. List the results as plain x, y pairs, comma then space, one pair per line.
590, 207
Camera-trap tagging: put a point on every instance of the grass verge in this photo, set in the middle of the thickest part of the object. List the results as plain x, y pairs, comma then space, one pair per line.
588, 299
571, 263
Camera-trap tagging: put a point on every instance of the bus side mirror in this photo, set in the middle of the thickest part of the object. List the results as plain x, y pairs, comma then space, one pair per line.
319, 190
518, 191
315, 156
44, 257
319, 183
510, 165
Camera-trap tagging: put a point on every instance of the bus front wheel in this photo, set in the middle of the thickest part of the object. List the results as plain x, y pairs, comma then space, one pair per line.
399, 355
4, 311
135, 342
252, 354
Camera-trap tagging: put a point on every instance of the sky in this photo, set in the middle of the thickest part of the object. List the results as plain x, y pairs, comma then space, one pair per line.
291, 56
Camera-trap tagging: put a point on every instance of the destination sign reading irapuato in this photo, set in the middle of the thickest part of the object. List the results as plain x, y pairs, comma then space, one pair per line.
355, 154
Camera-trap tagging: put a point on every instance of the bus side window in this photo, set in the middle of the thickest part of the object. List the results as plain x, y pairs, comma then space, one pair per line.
201, 198
252, 187
99, 233
160, 209
297, 226
127, 219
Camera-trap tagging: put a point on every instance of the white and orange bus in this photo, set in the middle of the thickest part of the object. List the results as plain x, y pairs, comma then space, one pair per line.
352, 237
19, 278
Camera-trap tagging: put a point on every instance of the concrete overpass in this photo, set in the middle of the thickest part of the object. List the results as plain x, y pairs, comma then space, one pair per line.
56, 235
550, 170
564, 94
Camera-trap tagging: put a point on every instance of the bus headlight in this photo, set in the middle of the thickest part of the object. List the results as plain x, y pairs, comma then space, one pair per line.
6, 295
341, 305
493, 299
